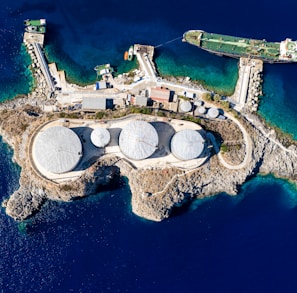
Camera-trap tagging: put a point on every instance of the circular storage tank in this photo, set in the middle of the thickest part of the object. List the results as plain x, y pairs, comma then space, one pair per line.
198, 103
57, 149
187, 144
201, 110
138, 140
185, 107
213, 113
100, 137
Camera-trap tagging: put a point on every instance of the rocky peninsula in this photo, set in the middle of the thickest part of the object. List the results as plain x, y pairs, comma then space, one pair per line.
156, 192
240, 146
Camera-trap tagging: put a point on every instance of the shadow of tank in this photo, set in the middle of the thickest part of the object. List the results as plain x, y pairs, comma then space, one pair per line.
165, 132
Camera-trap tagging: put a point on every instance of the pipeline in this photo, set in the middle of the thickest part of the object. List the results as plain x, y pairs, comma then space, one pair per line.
175, 39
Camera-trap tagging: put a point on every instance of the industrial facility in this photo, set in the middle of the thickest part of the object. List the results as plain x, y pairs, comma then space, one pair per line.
57, 150
100, 137
138, 140
187, 144
62, 150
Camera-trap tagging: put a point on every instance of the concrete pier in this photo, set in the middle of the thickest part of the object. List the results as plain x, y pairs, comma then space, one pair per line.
34, 43
44, 66
144, 56
248, 87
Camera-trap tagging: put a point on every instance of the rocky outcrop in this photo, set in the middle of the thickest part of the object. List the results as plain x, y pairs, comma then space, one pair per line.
33, 192
155, 192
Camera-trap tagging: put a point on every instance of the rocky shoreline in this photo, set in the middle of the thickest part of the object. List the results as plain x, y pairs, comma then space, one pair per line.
172, 187
156, 191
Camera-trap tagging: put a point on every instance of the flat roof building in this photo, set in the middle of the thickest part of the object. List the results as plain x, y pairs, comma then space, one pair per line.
139, 101
100, 85
89, 103
160, 94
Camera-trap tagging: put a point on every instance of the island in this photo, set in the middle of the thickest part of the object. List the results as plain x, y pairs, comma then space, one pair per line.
172, 139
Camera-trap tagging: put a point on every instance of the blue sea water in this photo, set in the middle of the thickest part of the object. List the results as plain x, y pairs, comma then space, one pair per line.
224, 244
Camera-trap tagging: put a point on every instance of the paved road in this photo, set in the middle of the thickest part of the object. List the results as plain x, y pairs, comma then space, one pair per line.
248, 147
244, 85
268, 135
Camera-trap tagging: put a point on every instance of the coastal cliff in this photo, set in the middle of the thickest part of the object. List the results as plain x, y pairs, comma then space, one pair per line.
156, 192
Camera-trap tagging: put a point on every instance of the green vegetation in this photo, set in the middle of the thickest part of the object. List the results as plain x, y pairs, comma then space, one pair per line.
217, 98
207, 96
139, 110
184, 98
192, 119
69, 115
161, 114
224, 148
66, 187
100, 115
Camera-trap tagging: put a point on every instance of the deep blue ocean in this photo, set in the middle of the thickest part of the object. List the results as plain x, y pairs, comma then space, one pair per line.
224, 244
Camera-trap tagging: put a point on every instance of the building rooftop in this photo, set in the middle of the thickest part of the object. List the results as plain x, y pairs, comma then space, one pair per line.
92, 103
160, 94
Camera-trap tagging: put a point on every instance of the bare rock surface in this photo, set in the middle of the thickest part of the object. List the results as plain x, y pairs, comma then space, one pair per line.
155, 192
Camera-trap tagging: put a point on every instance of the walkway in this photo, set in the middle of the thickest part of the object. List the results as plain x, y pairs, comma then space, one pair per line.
268, 135
44, 66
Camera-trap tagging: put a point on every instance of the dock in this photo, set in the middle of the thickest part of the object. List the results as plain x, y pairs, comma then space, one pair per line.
248, 87
44, 66
34, 43
144, 55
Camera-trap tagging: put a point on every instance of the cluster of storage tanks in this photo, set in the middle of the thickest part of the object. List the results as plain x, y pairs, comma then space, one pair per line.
199, 109
58, 149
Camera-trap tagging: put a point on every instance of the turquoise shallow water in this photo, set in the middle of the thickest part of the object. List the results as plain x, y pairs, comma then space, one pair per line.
215, 73
279, 104
230, 244
23, 81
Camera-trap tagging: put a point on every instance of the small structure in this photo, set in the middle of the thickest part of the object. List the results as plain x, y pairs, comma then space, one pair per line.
213, 113
185, 106
103, 69
96, 103
187, 144
100, 137
138, 140
190, 95
100, 85
198, 103
160, 94
201, 110
57, 150
140, 101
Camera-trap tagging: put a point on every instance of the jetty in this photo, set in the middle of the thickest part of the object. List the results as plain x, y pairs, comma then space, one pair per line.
34, 41
144, 56
78, 146
249, 85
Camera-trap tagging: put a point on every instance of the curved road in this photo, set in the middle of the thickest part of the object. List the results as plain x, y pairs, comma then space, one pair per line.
248, 147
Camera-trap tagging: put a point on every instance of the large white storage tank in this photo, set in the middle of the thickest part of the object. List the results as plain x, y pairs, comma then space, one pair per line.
187, 144
57, 149
138, 140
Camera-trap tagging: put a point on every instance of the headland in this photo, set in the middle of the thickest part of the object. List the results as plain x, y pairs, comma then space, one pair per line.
174, 141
